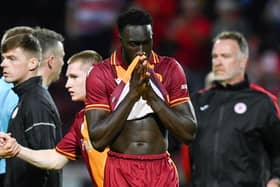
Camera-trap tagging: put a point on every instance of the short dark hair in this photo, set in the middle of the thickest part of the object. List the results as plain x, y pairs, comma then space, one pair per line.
27, 42
16, 30
133, 16
48, 38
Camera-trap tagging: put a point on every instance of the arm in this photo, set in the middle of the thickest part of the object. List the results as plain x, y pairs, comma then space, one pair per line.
46, 159
104, 126
270, 134
179, 120
178, 116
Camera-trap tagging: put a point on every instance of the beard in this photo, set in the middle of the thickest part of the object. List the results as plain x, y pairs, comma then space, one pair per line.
230, 77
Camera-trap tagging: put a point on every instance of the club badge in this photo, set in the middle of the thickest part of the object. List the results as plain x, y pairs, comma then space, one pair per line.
240, 108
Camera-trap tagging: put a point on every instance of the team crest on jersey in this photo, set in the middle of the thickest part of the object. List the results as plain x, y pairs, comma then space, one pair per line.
184, 86
14, 112
118, 81
240, 108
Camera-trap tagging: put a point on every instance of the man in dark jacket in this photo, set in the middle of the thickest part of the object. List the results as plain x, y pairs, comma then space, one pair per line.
237, 143
35, 122
51, 64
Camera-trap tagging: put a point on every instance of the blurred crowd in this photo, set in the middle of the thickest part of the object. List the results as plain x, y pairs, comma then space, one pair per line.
184, 29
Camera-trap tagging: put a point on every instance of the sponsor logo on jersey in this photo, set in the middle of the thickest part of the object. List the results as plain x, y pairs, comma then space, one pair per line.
204, 107
184, 86
118, 81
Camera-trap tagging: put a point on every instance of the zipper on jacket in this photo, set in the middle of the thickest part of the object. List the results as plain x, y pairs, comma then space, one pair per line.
216, 161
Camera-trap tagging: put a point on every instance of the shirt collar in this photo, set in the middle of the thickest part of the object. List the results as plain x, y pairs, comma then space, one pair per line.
27, 85
238, 86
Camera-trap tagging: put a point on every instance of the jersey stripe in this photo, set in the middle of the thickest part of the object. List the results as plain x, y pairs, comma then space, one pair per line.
179, 101
98, 106
273, 97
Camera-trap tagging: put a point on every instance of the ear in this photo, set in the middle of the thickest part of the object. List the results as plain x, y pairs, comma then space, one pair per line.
243, 62
33, 64
50, 61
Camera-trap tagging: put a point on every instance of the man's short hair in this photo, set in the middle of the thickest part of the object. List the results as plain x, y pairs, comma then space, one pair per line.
236, 36
16, 30
48, 39
133, 16
27, 42
87, 56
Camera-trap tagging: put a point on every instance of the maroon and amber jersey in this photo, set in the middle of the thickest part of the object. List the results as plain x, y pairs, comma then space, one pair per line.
76, 144
106, 76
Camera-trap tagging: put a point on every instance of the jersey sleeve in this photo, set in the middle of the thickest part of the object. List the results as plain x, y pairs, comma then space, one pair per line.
69, 146
271, 133
177, 85
96, 95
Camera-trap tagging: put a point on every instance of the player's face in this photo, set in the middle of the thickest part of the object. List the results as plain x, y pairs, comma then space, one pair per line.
76, 74
16, 64
227, 62
136, 40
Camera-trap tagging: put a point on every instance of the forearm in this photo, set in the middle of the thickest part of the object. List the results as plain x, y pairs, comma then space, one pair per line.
103, 131
180, 121
47, 159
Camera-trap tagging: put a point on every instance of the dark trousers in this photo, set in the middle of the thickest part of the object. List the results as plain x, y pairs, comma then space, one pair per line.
2, 180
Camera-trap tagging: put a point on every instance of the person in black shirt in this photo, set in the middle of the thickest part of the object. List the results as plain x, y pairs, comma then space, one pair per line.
237, 142
35, 122
51, 64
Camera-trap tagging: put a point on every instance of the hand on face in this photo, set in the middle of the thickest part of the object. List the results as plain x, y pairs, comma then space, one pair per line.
8, 146
139, 82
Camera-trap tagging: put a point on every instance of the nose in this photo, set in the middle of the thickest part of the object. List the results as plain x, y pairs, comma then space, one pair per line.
67, 84
141, 50
3, 63
216, 60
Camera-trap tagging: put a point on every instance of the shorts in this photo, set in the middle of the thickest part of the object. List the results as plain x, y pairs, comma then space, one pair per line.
128, 170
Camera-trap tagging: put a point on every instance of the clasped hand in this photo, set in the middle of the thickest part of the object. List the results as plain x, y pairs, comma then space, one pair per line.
139, 82
8, 146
